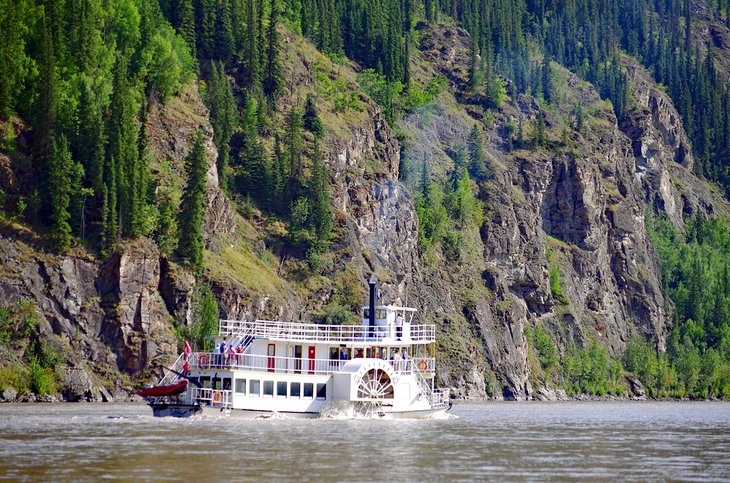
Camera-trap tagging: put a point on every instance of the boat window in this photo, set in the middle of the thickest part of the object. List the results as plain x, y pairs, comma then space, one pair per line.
280, 388
308, 390
334, 353
379, 314
295, 389
268, 388
321, 391
205, 381
216, 383
254, 388
241, 386
227, 384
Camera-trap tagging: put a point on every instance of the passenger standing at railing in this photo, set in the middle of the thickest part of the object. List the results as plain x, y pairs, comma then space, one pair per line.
231, 354
405, 362
239, 355
398, 326
396, 359
221, 354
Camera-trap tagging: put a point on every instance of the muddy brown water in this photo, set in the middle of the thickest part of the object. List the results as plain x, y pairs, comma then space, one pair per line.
578, 441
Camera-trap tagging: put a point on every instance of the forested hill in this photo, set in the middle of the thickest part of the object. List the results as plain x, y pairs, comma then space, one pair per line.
545, 180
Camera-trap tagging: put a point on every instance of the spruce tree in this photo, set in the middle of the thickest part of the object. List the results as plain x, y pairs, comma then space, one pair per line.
186, 23
192, 207
477, 158
540, 135
311, 120
321, 206
59, 169
223, 116
224, 43
274, 76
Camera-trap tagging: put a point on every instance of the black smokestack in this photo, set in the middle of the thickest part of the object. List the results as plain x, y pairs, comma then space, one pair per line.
373, 281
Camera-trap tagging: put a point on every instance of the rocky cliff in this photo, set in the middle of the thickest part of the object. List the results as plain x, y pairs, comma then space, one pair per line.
574, 207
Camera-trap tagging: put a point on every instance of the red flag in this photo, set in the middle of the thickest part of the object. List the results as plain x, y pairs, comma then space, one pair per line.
188, 349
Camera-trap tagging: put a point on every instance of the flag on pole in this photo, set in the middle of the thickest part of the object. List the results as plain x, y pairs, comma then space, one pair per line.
188, 349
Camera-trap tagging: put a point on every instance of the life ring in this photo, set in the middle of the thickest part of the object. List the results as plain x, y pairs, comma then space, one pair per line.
217, 396
204, 361
422, 366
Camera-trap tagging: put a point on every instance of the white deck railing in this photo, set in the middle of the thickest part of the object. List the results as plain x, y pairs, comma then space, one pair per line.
290, 331
294, 365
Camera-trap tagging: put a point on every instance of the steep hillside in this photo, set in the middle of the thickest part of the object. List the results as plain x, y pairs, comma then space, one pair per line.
509, 206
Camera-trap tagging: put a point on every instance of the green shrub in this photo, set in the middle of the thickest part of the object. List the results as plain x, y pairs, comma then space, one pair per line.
42, 380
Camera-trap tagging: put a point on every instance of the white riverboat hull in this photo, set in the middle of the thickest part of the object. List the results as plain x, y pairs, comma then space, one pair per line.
333, 412
384, 368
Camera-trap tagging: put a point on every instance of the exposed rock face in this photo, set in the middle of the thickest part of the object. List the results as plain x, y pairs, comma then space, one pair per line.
137, 327
662, 152
581, 209
380, 213
172, 128
104, 318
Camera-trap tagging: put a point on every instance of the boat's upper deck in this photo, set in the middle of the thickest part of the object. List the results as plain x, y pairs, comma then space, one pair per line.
336, 334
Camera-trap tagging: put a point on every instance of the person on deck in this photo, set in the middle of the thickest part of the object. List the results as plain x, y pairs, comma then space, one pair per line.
399, 326
221, 354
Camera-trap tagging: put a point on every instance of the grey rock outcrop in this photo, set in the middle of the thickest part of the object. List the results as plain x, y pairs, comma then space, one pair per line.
662, 152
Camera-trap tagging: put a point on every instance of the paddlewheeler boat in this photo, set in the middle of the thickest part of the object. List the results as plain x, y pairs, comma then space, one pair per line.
384, 366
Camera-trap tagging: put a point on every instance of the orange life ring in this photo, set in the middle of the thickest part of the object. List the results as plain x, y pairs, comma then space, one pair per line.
203, 361
422, 366
217, 396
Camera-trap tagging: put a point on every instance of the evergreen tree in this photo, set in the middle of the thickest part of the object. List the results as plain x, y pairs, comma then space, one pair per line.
123, 148
224, 43
45, 111
311, 120
321, 206
185, 24
477, 158
192, 207
294, 144
223, 116
273, 76
61, 165
540, 136
14, 26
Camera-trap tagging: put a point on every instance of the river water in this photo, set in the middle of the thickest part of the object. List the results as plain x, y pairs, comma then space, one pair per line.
646, 441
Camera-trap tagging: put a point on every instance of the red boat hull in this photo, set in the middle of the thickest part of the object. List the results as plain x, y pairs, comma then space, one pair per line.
168, 390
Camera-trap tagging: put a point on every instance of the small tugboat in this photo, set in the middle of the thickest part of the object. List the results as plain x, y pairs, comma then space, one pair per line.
384, 366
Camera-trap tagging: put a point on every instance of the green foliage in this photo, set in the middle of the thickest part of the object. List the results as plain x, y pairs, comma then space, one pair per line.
496, 91
554, 276
589, 370
168, 62
479, 167
17, 321
641, 360
546, 350
17, 19
192, 207
205, 316
432, 216
61, 190
42, 380
397, 98
311, 120
337, 314
465, 209
224, 117
696, 276
540, 134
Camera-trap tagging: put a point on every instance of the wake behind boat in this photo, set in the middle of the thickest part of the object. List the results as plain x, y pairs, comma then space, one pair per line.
384, 366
